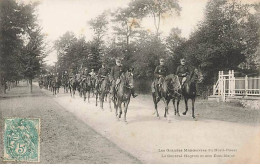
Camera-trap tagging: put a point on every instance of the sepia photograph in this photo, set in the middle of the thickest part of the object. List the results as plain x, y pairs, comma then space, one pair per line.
129, 81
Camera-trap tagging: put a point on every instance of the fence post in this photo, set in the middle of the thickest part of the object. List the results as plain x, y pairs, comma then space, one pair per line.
224, 88
229, 82
246, 85
233, 86
219, 83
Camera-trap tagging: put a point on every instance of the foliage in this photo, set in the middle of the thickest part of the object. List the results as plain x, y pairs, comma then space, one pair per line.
21, 41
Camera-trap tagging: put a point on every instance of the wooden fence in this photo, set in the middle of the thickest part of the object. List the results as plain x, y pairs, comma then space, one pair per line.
229, 85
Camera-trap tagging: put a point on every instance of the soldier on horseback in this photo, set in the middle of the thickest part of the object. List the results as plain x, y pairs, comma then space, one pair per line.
115, 74
92, 73
182, 71
103, 71
160, 72
84, 74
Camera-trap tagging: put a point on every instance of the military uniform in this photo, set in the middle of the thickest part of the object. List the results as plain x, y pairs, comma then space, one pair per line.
160, 73
160, 70
103, 72
115, 74
182, 72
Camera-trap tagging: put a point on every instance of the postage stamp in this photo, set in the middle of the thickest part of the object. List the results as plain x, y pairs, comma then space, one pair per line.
22, 139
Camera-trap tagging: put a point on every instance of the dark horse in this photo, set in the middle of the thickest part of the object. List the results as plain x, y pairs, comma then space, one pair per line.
73, 84
102, 89
85, 85
189, 88
123, 94
169, 90
55, 84
65, 83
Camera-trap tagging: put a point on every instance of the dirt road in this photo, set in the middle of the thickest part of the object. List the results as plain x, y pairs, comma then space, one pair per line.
221, 134
64, 138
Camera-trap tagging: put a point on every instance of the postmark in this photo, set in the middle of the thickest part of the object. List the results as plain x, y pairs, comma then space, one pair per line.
22, 139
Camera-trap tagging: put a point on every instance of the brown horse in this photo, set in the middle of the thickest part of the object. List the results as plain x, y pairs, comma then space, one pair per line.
169, 90
85, 87
73, 84
189, 88
102, 89
55, 84
123, 94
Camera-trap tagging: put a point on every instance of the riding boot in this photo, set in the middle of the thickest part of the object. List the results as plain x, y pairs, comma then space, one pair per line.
133, 93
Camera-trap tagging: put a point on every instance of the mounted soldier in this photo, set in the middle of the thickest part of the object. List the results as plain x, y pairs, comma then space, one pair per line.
65, 81
115, 74
84, 74
92, 73
182, 71
103, 71
160, 72
65, 75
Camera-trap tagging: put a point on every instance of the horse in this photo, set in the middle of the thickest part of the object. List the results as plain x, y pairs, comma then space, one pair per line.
102, 89
189, 88
123, 94
72, 86
55, 84
169, 90
93, 85
85, 85
65, 83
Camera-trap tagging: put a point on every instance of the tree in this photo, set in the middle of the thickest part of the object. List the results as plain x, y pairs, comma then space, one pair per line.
149, 49
174, 41
226, 37
65, 51
126, 24
11, 28
155, 8
33, 54
20, 40
99, 25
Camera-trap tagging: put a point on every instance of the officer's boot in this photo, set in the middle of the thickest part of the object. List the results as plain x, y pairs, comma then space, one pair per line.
133, 93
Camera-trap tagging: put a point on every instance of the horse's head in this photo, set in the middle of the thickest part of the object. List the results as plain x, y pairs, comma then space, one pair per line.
199, 75
127, 79
195, 76
87, 80
172, 83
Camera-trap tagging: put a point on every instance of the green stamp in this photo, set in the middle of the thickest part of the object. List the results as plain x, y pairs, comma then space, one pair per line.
21, 139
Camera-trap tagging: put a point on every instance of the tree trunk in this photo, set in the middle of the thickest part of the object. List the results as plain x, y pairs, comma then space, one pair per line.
30, 85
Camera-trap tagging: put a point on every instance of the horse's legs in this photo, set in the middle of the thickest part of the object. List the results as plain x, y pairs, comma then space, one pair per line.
186, 106
101, 99
105, 97
88, 96
178, 102
193, 102
97, 97
155, 101
84, 95
174, 106
120, 108
126, 107
166, 102
109, 101
116, 107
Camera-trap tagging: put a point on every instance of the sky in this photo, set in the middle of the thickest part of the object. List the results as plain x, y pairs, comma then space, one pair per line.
59, 16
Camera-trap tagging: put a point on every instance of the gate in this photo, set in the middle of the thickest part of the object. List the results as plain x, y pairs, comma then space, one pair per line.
228, 85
